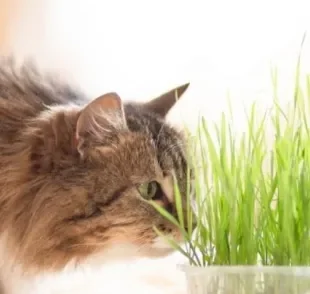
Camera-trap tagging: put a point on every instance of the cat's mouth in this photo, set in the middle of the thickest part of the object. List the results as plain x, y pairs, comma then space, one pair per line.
160, 248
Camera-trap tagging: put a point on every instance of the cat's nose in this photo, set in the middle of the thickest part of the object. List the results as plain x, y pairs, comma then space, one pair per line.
190, 227
192, 188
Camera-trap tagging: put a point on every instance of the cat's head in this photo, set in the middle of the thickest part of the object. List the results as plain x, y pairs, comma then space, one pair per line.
94, 196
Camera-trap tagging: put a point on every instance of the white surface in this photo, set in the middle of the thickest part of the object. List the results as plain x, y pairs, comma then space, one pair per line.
141, 48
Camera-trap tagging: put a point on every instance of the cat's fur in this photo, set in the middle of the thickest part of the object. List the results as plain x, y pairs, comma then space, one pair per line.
69, 170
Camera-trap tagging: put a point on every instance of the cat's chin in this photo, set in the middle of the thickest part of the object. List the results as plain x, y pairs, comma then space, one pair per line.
125, 252
157, 253
160, 248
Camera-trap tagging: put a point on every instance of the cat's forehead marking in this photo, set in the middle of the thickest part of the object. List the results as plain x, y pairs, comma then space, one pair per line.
168, 144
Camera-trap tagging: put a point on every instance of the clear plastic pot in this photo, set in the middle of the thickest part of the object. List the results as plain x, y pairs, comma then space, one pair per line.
247, 279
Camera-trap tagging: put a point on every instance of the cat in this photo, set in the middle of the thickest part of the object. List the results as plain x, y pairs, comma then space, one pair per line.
77, 176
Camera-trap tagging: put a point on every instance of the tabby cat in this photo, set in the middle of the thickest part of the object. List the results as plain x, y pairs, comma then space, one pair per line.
77, 176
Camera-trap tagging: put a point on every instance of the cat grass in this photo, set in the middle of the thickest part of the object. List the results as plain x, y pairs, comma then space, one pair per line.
252, 191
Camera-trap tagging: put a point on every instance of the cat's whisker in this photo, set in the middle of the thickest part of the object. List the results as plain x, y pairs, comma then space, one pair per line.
172, 147
88, 244
158, 135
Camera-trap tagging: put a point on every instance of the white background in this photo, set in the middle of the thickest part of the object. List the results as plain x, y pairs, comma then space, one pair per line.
142, 48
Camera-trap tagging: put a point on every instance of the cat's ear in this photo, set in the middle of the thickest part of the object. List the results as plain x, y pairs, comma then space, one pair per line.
162, 104
100, 117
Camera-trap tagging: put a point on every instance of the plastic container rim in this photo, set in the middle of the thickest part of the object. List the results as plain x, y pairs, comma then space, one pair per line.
191, 270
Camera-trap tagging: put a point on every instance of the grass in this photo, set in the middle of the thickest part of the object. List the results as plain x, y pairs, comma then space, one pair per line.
252, 201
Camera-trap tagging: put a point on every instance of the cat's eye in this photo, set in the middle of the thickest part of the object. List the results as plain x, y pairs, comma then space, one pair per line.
149, 190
